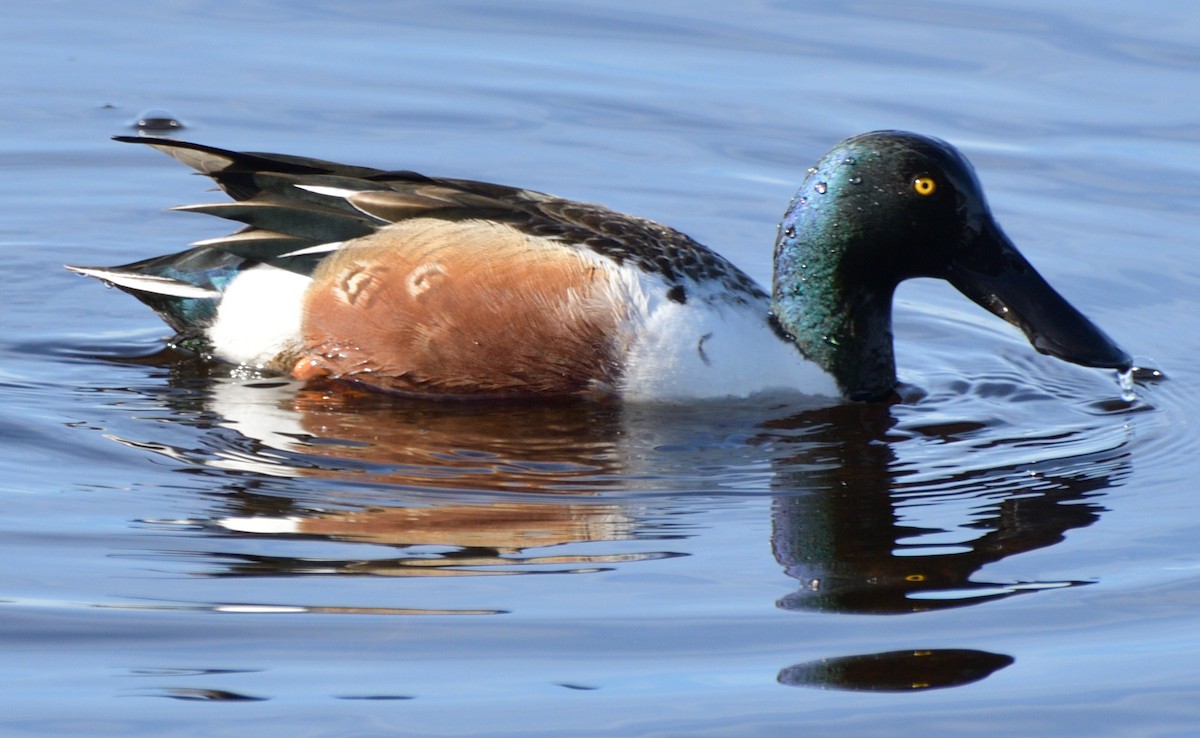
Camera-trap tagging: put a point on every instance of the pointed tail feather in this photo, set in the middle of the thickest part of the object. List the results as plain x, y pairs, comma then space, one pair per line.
184, 288
156, 284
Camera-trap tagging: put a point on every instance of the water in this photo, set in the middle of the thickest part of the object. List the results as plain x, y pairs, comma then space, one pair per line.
1009, 551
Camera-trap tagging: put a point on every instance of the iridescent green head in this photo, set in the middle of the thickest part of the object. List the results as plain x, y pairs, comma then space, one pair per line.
887, 206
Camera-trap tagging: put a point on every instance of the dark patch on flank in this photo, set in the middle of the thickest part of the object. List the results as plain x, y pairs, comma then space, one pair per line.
700, 349
677, 294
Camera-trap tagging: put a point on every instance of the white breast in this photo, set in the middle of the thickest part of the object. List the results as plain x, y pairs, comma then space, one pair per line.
709, 348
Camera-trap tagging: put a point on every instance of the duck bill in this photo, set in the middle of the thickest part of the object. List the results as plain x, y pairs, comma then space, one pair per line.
999, 278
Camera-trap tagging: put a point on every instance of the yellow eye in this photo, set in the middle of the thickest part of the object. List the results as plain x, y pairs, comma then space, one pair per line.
924, 186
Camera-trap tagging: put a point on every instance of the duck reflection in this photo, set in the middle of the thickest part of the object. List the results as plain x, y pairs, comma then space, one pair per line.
445, 463
862, 528
874, 509
448, 540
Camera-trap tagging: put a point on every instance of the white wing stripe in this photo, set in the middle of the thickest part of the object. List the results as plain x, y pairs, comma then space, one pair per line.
149, 283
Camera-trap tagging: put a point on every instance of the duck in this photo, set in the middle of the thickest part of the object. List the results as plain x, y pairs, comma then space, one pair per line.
450, 288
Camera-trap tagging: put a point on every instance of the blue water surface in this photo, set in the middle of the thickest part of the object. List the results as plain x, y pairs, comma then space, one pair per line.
1010, 551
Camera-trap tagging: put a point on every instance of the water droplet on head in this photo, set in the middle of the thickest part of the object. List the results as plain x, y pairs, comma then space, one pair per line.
790, 232
849, 161
821, 187
855, 180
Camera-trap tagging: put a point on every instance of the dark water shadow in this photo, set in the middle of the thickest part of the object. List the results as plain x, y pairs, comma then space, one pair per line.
897, 671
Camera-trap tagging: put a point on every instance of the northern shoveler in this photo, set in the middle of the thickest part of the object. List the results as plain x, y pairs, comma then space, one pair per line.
450, 287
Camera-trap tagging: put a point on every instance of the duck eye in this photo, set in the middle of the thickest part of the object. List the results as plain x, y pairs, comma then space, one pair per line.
924, 186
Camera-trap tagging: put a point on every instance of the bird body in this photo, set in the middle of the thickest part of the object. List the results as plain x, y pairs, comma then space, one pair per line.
445, 287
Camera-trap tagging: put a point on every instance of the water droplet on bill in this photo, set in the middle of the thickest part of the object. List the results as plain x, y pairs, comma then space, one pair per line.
1125, 379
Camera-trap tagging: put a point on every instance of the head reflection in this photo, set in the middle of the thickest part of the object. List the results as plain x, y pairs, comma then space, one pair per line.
867, 534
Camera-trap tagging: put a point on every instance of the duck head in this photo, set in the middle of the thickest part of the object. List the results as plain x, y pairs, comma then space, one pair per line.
888, 206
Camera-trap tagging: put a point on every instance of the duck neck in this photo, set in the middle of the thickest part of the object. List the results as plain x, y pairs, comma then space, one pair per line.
842, 323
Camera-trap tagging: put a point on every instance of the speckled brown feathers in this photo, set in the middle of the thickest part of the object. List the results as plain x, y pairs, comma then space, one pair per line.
472, 308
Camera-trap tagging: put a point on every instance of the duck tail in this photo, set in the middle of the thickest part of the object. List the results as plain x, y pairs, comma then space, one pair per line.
184, 288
